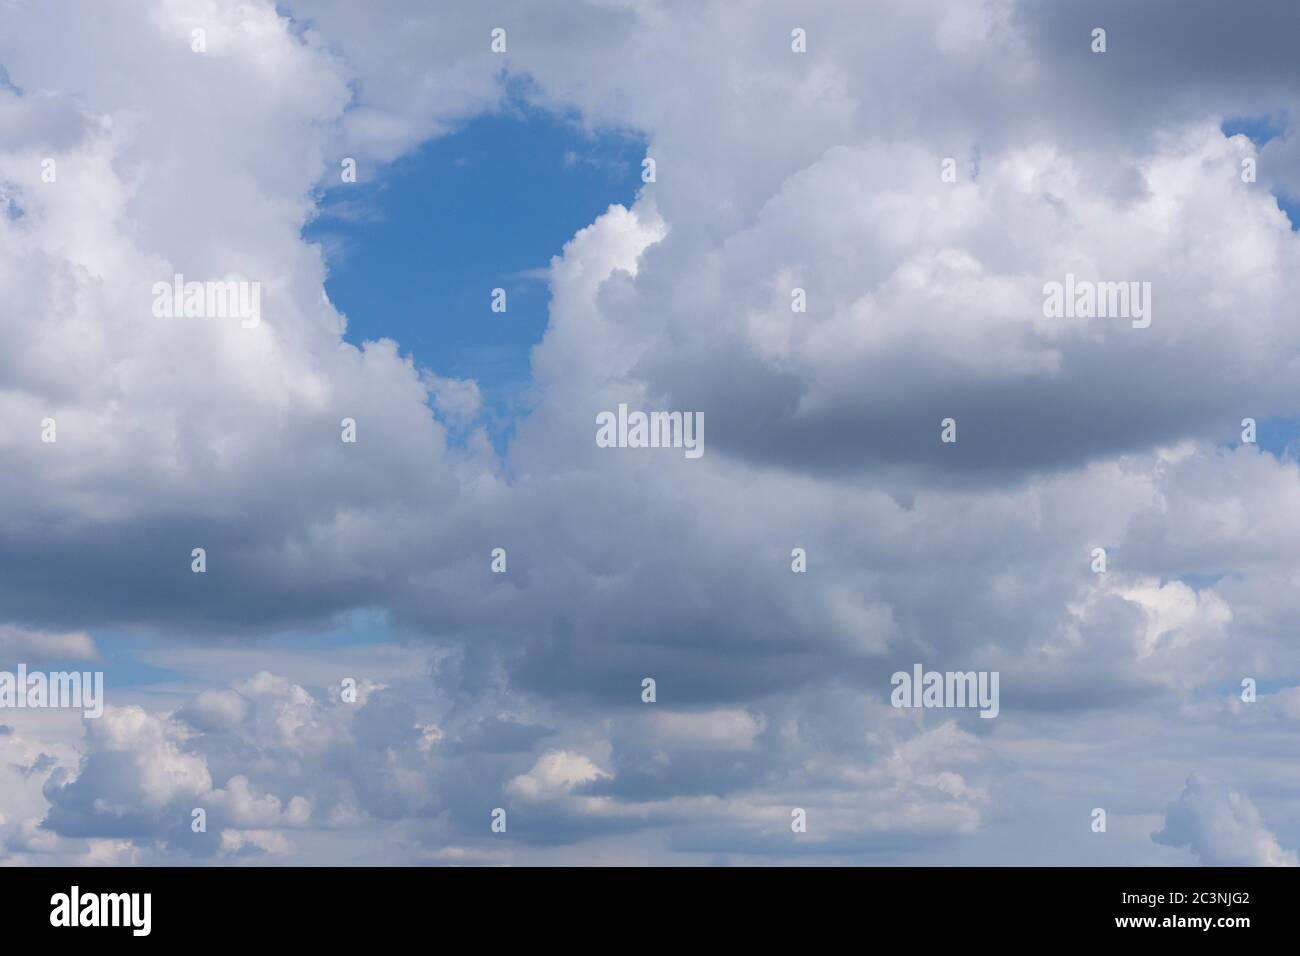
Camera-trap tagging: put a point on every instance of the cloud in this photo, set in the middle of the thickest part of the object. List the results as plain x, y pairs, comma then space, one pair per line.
557, 772
133, 777
1221, 826
258, 757
22, 645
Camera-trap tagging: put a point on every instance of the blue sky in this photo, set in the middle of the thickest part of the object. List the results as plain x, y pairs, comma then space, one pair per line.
416, 247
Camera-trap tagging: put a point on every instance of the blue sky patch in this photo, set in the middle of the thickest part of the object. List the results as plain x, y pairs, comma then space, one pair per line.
415, 249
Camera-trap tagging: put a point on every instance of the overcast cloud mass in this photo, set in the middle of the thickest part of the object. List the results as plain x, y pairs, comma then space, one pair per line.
522, 690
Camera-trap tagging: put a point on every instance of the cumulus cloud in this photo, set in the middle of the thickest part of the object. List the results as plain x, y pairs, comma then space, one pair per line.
257, 758
556, 772
1221, 826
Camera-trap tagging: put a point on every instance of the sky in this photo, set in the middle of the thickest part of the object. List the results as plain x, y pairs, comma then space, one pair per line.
430, 645
517, 182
